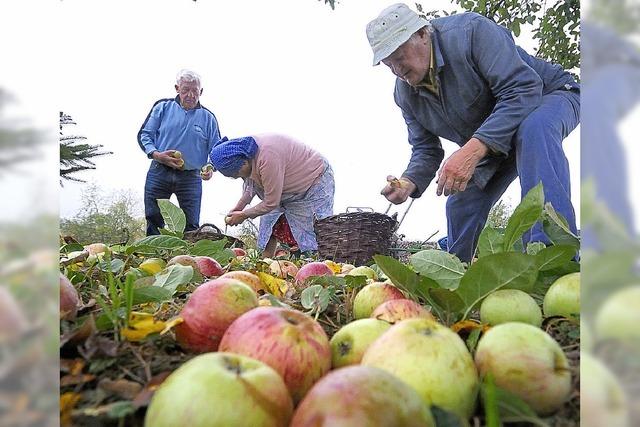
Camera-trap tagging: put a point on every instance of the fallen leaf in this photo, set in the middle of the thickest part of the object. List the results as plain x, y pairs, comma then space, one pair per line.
169, 324
72, 366
336, 268
121, 387
76, 379
275, 286
141, 325
144, 397
468, 326
67, 402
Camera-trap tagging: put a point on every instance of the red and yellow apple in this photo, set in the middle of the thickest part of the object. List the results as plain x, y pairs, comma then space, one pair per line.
371, 296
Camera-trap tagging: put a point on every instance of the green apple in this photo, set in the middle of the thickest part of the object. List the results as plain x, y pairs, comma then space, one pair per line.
371, 296
432, 359
510, 305
221, 390
563, 297
363, 270
528, 362
602, 399
352, 340
619, 316
362, 396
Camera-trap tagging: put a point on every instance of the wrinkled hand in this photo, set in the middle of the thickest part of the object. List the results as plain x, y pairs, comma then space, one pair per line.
457, 170
168, 158
235, 218
398, 190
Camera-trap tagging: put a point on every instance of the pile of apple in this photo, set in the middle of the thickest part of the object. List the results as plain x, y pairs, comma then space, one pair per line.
262, 365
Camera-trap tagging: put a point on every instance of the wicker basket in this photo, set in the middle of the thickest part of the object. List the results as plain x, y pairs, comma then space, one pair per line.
355, 237
211, 232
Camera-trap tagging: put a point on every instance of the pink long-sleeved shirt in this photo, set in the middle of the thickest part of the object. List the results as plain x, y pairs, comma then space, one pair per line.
283, 165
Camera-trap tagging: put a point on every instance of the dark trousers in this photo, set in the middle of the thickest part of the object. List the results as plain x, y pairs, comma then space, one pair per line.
537, 155
163, 181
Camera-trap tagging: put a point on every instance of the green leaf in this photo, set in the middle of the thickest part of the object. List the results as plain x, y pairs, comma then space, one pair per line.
534, 247
557, 229
490, 401
114, 266
173, 216
528, 212
554, 256
158, 242
355, 282
472, 339
309, 295
151, 294
71, 247
409, 281
275, 302
381, 276
444, 418
443, 267
214, 249
510, 408
447, 300
491, 241
516, 29
509, 270
174, 276
166, 232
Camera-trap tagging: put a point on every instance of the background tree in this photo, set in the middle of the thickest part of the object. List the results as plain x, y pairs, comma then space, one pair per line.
499, 215
112, 219
75, 154
17, 143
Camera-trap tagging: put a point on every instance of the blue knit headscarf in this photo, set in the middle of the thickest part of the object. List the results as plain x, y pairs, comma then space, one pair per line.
229, 154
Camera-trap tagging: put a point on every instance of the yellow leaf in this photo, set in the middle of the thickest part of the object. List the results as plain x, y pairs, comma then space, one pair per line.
336, 268
67, 402
276, 287
171, 323
141, 325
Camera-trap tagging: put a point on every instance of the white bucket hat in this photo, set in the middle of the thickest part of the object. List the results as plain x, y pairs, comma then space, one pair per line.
394, 26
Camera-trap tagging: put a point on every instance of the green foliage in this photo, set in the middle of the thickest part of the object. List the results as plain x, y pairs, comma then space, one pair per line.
174, 218
622, 16
554, 24
499, 215
110, 220
443, 267
76, 155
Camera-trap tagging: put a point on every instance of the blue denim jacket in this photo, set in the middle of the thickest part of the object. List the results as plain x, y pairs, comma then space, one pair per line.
487, 85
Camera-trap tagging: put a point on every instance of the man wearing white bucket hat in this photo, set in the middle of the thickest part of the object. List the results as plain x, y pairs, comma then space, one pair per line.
463, 78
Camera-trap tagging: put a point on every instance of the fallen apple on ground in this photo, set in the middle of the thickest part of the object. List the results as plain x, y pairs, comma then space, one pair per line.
239, 251
510, 305
350, 342
362, 396
247, 278
432, 359
528, 362
221, 390
69, 299
371, 296
211, 308
208, 266
312, 269
289, 341
283, 268
363, 270
563, 297
395, 310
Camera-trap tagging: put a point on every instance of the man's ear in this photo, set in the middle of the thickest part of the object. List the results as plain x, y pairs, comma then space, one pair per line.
176, 86
201, 89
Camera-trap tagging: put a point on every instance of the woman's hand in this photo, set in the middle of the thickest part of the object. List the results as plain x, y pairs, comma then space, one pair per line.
235, 218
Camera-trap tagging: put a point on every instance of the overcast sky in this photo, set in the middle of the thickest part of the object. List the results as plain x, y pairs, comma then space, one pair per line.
290, 66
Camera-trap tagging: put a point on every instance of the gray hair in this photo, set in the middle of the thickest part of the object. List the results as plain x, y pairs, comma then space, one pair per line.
185, 75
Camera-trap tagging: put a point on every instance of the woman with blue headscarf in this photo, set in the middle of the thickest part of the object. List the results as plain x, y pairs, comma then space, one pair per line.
294, 182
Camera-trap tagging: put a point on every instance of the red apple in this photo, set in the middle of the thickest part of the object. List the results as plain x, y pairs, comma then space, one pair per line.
395, 310
208, 266
69, 299
289, 341
211, 308
221, 389
315, 268
362, 396
371, 296
246, 278
184, 260
283, 268
239, 251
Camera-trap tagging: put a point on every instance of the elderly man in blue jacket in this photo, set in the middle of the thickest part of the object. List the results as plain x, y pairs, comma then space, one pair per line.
178, 125
463, 78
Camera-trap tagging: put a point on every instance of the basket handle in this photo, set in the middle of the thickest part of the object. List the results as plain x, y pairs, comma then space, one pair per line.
199, 229
360, 209
395, 215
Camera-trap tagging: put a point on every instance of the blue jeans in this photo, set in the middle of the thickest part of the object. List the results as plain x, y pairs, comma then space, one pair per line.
537, 155
163, 181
